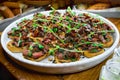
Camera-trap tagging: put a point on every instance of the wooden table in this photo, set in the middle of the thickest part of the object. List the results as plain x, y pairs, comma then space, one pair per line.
21, 73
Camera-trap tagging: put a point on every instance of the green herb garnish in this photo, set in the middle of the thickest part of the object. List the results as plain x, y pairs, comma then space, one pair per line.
91, 34
45, 29
82, 41
97, 45
78, 26
14, 29
30, 47
39, 14
35, 25
81, 15
19, 41
42, 20
69, 10
23, 19
73, 59
51, 51
67, 26
68, 31
87, 42
55, 29
104, 32
29, 53
53, 10
94, 50
60, 18
40, 46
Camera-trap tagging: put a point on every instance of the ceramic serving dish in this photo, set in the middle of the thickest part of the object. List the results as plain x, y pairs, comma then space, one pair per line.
62, 68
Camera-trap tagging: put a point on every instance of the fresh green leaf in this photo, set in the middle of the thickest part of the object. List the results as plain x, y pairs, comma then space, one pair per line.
35, 25
69, 10
19, 42
14, 29
73, 59
53, 21
29, 53
78, 26
73, 13
94, 50
60, 24
55, 29
42, 20
53, 10
39, 14
68, 28
13, 34
68, 31
20, 35
97, 44
18, 27
91, 34
94, 44
104, 32
80, 15
88, 42
57, 46
51, 30
84, 24
51, 51
60, 18
23, 19
111, 31
40, 46
82, 41
67, 18
30, 47
45, 29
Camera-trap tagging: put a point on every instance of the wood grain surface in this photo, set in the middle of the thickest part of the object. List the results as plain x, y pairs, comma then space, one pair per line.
20, 73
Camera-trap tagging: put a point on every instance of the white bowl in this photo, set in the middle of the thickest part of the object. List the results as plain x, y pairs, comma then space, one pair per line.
62, 68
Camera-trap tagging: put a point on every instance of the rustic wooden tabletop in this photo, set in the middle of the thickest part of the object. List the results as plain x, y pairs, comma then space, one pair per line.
21, 73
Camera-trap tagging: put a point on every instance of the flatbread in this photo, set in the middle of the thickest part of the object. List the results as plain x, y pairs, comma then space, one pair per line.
89, 54
109, 43
63, 61
39, 59
13, 48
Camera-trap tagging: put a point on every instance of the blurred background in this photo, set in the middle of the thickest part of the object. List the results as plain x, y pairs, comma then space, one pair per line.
11, 8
